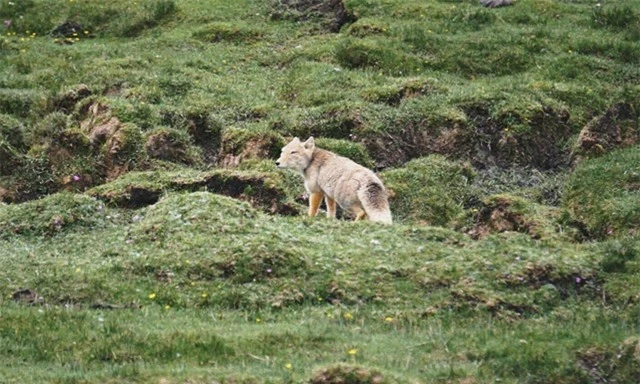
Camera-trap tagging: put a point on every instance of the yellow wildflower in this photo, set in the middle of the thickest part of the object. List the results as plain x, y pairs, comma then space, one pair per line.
152, 296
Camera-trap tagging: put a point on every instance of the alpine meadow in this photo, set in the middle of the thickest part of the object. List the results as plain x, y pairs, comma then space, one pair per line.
147, 236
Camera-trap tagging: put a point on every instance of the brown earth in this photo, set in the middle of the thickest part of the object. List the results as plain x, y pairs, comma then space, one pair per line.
498, 217
333, 13
617, 127
258, 190
481, 139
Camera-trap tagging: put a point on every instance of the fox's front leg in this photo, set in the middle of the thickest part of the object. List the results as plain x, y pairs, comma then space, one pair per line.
331, 207
314, 202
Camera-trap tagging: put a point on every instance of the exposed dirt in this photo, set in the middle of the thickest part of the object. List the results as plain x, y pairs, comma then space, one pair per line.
99, 124
106, 133
482, 140
205, 134
341, 374
162, 145
27, 296
619, 365
7, 196
256, 147
68, 29
67, 100
593, 361
499, 217
618, 126
534, 276
496, 3
494, 305
408, 91
333, 13
255, 189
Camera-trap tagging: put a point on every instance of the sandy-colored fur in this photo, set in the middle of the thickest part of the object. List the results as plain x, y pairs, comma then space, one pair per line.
338, 180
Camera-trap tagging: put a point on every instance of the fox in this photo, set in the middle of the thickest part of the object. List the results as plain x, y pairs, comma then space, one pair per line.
356, 189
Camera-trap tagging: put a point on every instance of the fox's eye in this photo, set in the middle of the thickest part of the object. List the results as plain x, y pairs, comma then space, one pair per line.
293, 152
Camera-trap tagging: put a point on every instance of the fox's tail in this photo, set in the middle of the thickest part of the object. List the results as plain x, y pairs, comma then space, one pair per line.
373, 198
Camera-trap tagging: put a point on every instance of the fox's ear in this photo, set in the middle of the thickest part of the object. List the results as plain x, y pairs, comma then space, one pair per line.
310, 143
295, 140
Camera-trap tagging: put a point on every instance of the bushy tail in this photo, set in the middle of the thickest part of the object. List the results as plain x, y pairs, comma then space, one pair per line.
383, 217
375, 203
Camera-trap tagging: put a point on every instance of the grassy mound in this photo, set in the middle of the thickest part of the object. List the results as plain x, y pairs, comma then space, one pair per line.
267, 191
431, 190
52, 215
604, 194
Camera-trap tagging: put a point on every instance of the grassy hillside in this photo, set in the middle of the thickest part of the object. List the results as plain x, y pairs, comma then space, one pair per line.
145, 235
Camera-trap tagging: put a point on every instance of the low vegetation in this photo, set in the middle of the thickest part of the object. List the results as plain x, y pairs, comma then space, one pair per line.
146, 236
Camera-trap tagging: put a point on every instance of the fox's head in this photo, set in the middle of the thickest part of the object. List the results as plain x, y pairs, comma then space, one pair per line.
296, 155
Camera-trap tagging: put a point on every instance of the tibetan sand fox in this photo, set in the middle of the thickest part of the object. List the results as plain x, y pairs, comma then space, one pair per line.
338, 179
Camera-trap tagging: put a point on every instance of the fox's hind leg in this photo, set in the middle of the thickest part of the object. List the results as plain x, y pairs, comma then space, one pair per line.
331, 207
314, 202
361, 215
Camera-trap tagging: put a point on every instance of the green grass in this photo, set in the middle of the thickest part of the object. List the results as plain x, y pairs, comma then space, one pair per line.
603, 193
271, 291
145, 235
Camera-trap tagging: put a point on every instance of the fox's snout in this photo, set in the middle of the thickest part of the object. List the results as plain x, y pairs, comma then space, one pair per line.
277, 163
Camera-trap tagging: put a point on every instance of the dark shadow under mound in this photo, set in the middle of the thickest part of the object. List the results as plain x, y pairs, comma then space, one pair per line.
332, 13
139, 189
